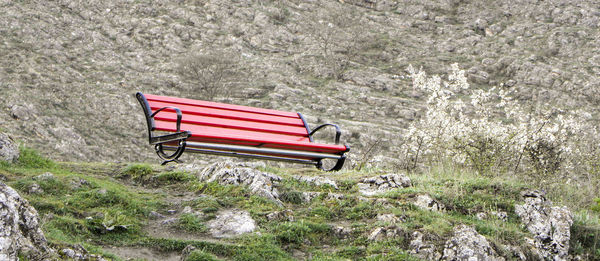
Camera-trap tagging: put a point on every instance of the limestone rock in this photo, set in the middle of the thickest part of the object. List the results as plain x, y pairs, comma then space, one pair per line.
342, 232
20, 230
427, 202
388, 218
9, 150
287, 215
316, 180
382, 233
231, 223
550, 226
467, 244
78, 252
422, 249
383, 183
260, 183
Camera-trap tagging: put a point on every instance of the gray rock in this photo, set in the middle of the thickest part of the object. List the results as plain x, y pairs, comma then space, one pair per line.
308, 196
388, 218
260, 183
422, 249
156, 215
187, 210
78, 252
286, 215
78, 183
9, 150
169, 221
45, 176
383, 183
550, 226
425, 201
467, 244
316, 180
20, 231
341, 232
22, 112
382, 233
231, 223
186, 252
35, 189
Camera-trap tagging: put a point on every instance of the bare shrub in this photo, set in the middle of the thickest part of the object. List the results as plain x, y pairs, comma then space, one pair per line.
210, 75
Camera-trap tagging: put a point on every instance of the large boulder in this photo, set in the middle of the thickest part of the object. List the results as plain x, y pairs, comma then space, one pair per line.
9, 150
20, 232
550, 226
467, 244
229, 173
231, 223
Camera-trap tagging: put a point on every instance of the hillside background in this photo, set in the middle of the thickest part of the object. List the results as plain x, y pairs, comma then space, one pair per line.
69, 69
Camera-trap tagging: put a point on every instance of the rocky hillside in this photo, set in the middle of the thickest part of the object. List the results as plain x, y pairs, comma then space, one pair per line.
230, 211
69, 69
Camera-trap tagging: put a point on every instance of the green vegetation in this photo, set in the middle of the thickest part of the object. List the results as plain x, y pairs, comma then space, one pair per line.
596, 207
191, 222
199, 255
94, 205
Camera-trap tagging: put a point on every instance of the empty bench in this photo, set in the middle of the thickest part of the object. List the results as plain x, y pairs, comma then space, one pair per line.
181, 125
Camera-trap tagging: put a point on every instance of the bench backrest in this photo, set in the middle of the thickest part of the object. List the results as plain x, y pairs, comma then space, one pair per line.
206, 119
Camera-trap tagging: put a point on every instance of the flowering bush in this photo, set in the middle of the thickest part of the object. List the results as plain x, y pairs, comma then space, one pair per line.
490, 131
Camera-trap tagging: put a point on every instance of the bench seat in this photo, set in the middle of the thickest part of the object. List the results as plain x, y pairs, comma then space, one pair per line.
234, 130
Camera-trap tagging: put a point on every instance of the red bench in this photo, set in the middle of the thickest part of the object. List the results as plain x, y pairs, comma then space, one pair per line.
234, 130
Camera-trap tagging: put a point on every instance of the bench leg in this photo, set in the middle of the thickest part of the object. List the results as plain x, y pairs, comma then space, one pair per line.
338, 165
173, 157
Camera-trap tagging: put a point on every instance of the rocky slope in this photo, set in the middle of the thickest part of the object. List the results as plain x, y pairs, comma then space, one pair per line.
100, 211
69, 69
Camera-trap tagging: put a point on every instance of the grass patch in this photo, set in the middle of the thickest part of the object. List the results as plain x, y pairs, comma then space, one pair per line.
200, 255
296, 233
30, 158
192, 223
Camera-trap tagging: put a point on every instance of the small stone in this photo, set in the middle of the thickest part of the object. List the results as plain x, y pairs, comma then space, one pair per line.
425, 201
383, 183
388, 218
342, 232
187, 210
35, 189
319, 181
45, 176
102, 191
501, 215
309, 196
68, 252
171, 211
169, 221
79, 183
156, 215
481, 215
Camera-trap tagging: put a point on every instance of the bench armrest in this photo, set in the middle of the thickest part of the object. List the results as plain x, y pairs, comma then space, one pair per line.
338, 132
177, 110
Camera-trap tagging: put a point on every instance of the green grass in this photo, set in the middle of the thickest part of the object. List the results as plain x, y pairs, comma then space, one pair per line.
199, 255
102, 212
192, 223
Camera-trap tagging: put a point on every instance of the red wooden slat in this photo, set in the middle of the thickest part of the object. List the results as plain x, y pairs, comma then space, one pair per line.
233, 124
220, 113
151, 97
252, 138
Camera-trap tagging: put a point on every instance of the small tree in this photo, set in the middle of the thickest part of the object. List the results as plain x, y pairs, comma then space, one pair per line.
211, 75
